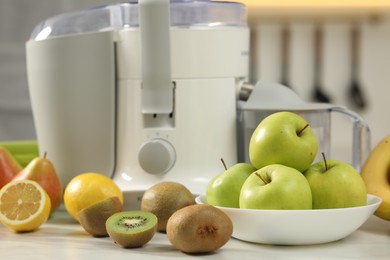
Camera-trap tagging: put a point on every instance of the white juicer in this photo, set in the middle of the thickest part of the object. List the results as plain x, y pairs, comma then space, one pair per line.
140, 92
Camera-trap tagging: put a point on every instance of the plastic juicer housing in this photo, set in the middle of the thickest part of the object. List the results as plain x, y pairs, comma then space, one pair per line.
140, 96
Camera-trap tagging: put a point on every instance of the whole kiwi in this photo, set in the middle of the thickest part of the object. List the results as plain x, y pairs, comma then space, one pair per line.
165, 198
93, 218
131, 229
200, 228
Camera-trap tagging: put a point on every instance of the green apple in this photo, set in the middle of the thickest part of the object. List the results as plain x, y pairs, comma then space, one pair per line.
335, 184
224, 189
283, 138
276, 186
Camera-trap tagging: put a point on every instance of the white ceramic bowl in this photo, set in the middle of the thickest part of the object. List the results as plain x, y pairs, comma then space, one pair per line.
297, 227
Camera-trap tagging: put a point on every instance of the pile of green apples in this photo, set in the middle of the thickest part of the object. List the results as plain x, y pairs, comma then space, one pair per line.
281, 173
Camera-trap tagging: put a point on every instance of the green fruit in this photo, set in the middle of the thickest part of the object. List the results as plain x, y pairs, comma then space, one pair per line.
93, 218
283, 138
276, 187
224, 189
200, 228
131, 229
163, 199
336, 184
24, 151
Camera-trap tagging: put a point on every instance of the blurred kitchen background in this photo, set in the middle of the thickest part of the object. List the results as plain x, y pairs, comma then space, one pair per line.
285, 37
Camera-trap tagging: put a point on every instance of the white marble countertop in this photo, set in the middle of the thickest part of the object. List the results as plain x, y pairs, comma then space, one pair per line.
62, 238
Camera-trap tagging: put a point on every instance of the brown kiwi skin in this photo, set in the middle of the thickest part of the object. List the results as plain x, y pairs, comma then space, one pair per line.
93, 218
165, 198
199, 228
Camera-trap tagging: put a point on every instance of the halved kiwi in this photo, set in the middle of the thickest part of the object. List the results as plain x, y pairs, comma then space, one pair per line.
93, 218
200, 228
131, 229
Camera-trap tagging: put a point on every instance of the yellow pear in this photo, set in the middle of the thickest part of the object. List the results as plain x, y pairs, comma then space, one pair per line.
41, 170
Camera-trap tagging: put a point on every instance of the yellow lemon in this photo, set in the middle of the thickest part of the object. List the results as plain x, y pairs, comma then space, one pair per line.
87, 189
24, 205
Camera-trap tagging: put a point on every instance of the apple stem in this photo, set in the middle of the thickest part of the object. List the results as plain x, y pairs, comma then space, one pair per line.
223, 163
303, 129
324, 157
44, 155
262, 178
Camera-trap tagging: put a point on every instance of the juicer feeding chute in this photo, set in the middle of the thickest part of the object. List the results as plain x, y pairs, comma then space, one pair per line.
157, 85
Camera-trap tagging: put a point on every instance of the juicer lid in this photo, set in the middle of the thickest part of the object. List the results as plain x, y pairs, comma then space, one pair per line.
270, 96
184, 14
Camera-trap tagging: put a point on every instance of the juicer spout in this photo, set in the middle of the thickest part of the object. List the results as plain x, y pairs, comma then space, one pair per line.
157, 87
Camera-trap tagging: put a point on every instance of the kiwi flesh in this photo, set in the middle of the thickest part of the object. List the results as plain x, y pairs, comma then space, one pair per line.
93, 218
131, 229
164, 198
199, 228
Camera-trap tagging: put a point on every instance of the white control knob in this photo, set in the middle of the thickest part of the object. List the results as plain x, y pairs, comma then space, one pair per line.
157, 156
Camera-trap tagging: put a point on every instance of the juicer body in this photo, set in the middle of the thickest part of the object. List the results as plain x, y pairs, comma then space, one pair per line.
86, 94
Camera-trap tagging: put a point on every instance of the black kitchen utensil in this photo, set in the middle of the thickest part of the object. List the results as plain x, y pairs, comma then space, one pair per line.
355, 91
318, 93
285, 53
